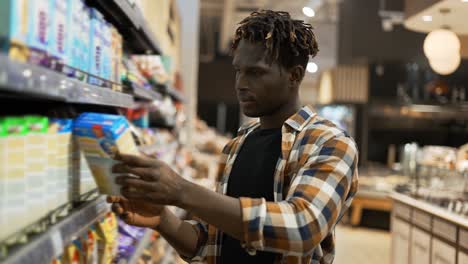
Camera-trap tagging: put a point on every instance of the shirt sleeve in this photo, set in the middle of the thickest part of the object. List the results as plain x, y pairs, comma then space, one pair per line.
201, 229
317, 195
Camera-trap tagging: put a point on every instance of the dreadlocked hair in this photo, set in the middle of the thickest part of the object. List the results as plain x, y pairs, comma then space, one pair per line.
287, 41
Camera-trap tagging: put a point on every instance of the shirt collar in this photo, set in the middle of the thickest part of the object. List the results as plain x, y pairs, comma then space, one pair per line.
297, 121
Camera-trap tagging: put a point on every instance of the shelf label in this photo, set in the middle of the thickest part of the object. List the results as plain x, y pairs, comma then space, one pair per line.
57, 242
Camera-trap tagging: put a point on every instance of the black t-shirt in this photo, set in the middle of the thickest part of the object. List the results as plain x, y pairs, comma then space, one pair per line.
252, 175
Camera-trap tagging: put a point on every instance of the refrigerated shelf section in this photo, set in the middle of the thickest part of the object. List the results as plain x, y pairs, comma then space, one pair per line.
51, 243
24, 78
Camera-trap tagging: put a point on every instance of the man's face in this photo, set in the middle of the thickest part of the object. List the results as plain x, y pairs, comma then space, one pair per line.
261, 88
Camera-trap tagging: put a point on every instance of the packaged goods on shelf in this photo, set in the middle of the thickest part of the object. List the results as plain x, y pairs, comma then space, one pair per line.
64, 159
437, 156
36, 167
152, 67
13, 33
462, 159
13, 206
97, 30
58, 39
39, 30
106, 62
83, 181
107, 231
79, 19
116, 58
101, 136
129, 238
131, 74
53, 175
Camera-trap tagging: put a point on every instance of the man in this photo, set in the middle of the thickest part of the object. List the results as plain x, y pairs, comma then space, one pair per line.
284, 182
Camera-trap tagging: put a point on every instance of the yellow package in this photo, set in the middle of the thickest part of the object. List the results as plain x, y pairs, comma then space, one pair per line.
36, 167
107, 231
13, 195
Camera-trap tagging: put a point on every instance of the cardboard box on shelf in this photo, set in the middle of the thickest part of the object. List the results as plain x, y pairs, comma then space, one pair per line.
13, 206
14, 29
58, 37
39, 27
78, 57
36, 167
116, 57
64, 160
101, 136
96, 37
52, 167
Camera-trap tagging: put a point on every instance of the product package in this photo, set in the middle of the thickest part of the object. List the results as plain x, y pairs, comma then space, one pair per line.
101, 136
97, 30
72, 254
58, 37
107, 233
39, 27
106, 63
14, 29
77, 59
13, 206
36, 167
83, 181
64, 160
116, 55
53, 201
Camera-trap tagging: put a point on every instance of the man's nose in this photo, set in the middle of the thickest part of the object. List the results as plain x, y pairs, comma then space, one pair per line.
241, 82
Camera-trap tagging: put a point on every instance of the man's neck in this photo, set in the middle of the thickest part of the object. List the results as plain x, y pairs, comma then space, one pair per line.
277, 119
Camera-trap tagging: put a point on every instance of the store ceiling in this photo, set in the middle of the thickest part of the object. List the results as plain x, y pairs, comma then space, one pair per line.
219, 20
431, 18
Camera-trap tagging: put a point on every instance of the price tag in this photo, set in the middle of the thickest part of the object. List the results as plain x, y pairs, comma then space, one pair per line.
57, 242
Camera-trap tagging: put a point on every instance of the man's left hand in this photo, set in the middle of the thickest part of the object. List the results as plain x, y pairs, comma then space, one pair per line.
156, 182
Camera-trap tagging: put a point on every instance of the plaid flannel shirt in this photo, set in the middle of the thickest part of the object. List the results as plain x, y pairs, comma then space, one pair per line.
314, 183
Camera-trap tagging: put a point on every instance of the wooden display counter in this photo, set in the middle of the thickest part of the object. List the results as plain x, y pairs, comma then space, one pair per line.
423, 233
372, 200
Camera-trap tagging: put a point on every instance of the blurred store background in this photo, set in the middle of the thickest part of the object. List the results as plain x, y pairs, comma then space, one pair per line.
393, 73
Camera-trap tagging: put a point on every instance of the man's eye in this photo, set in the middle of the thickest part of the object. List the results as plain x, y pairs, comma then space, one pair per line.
256, 72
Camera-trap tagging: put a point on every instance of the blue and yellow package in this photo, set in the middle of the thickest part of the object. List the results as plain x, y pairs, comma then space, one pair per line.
39, 27
58, 44
14, 29
101, 136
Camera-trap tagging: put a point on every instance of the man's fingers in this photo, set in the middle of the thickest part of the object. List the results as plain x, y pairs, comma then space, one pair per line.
115, 199
133, 195
146, 174
137, 161
117, 209
131, 182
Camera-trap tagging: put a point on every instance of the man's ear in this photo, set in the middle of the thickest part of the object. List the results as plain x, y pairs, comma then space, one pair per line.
296, 74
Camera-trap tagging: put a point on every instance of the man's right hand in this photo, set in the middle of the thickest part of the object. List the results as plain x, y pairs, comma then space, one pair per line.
136, 212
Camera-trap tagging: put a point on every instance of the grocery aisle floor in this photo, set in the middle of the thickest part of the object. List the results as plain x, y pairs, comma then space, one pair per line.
362, 246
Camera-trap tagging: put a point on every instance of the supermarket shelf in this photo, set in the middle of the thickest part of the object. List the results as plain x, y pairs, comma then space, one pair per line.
168, 255
130, 22
153, 148
176, 95
51, 243
145, 94
144, 242
38, 81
